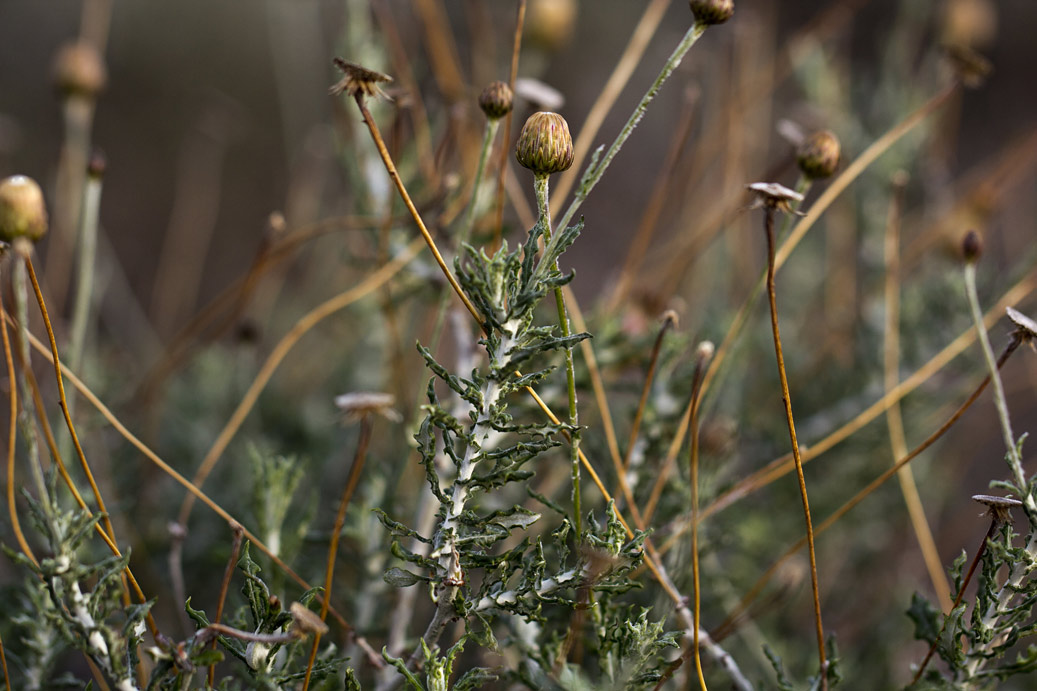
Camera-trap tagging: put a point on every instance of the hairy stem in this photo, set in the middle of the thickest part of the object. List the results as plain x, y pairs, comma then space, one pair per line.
540, 185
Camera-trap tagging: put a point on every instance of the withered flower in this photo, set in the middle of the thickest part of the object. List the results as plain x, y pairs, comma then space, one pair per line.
357, 80
774, 196
363, 403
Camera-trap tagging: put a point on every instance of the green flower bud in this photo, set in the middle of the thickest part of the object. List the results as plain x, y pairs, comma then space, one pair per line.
22, 211
544, 144
496, 100
818, 155
711, 12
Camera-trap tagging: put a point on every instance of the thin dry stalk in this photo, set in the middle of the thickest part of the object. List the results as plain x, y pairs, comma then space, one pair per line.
373, 658
862, 494
669, 322
897, 438
787, 400
12, 433
26, 256
340, 518
228, 572
277, 355
781, 466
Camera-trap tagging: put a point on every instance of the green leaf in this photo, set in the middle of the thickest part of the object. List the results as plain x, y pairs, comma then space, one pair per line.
401, 578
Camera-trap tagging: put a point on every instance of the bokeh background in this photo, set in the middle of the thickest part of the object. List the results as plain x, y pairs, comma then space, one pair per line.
216, 114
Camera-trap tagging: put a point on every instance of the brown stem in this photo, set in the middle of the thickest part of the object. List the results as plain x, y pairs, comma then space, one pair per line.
347, 494
228, 572
994, 523
12, 433
787, 401
721, 631
390, 167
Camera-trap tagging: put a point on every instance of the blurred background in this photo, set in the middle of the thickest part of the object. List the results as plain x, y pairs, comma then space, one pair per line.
215, 114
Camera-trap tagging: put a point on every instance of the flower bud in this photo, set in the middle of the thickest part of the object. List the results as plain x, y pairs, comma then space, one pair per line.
544, 144
972, 246
97, 164
711, 12
22, 211
496, 100
550, 23
818, 155
79, 70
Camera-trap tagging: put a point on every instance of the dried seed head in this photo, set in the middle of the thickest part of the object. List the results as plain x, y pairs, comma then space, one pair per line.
305, 621
818, 155
972, 246
363, 403
540, 96
496, 100
1000, 508
711, 12
79, 70
22, 211
771, 195
544, 144
1025, 328
357, 80
550, 23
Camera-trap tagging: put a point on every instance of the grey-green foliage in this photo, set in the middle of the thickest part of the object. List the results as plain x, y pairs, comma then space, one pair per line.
987, 640
78, 598
544, 575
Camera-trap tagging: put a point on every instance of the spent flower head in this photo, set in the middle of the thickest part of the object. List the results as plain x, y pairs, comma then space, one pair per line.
1000, 508
357, 80
771, 195
544, 144
1025, 328
22, 211
360, 404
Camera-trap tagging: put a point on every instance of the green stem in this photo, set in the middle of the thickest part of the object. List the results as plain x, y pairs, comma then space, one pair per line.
27, 416
594, 172
540, 186
1014, 460
487, 145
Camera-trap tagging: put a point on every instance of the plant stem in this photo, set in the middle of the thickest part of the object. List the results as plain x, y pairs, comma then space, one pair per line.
594, 172
540, 185
492, 125
1014, 461
27, 417
340, 518
771, 294
693, 474
994, 524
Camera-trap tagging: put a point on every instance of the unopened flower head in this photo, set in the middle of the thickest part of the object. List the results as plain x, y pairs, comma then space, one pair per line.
22, 211
544, 144
972, 246
771, 195
357, 80
818, 155
496, 100
79, 70
712, 11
